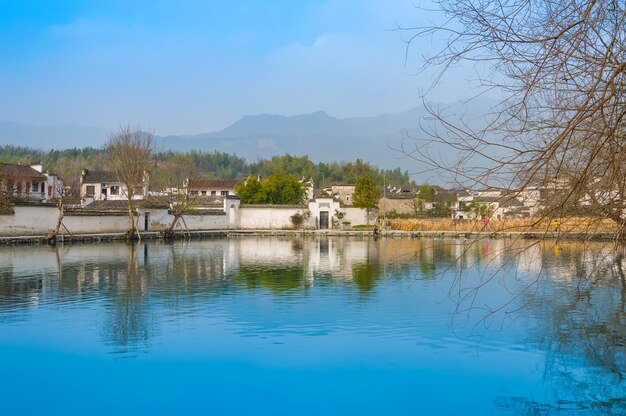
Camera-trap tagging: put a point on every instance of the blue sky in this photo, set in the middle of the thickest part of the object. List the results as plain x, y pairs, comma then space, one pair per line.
196, 66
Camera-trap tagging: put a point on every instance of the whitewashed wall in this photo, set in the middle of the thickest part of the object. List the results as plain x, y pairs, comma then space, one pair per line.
160, 220
206, 222
88, 224
264, 218
358, 216
37, 220
28, 220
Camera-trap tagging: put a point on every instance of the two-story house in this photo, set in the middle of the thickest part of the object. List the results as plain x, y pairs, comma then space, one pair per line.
223, 187
104, 185
30, 182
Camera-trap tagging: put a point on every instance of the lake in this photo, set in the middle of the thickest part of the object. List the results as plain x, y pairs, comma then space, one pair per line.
313, 325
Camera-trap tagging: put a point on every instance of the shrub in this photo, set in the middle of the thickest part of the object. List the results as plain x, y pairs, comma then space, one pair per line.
296, 220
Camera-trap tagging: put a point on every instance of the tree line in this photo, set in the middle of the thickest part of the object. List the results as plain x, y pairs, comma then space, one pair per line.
68, 163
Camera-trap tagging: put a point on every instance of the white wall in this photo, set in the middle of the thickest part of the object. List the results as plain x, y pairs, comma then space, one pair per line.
357, 216
267, 217
86, 224
37, 220
28, 220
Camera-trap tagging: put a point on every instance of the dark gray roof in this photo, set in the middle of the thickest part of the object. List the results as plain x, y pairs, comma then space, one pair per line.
213, 183
20, 171
510, 202
99, 176
488, 199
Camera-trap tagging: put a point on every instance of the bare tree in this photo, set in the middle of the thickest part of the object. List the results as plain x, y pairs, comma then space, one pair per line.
560, 68
52, 234
6, 202
179, 170
130, 151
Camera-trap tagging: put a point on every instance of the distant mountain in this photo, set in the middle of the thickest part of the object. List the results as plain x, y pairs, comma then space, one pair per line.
51, 137
320, 136
326, 138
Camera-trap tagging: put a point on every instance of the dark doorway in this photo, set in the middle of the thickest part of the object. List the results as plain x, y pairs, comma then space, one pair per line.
145, 222
323, 219
104, 194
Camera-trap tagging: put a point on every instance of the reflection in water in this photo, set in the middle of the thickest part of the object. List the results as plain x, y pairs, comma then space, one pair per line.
573, 298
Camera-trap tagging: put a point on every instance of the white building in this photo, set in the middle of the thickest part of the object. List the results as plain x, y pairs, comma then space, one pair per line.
104, 185
29, 182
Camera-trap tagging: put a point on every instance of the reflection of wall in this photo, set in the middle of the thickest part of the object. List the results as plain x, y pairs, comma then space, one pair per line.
268, 251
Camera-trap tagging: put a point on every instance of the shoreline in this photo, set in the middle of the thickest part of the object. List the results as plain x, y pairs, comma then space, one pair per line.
197, 235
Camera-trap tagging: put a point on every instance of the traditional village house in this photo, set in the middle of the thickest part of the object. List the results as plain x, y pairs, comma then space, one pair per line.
405, 200
211, 187
308, 186
342, 193
29, 182
468, 201
494, 203
104, 185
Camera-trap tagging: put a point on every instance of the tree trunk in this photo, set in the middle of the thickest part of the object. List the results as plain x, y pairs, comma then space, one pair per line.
51, 237
130, 234
170, 230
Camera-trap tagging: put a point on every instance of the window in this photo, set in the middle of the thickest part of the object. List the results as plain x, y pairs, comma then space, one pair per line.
35, 187
203, 192
213, 193
194, 192
224, 193
90, 190
115, 190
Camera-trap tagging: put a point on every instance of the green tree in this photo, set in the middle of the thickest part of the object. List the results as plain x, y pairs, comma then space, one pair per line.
427, 192
276, 189
366, 195
249, 190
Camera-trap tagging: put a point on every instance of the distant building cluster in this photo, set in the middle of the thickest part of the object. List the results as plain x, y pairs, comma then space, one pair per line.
29, 183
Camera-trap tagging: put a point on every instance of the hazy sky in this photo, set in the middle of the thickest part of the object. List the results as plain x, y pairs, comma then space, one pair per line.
196, 66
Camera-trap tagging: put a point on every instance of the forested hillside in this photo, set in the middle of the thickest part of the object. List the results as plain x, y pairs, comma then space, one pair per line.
216, 165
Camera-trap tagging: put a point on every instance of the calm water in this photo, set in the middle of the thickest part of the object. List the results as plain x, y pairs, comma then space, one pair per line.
312, 326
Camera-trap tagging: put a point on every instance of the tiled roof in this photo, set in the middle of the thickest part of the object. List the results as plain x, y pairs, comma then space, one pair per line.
510, 202
213, 183
110, 205
99, 176
488, 199
20, 171
155, 202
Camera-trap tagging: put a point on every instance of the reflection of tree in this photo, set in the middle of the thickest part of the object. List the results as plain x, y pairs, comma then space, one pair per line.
366, 274
277, 279
583, 331
130, 323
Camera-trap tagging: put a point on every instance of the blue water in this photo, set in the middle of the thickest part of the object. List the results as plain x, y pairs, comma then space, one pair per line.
312, 326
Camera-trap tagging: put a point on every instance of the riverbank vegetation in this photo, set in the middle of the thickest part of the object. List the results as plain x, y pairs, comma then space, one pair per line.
539, 225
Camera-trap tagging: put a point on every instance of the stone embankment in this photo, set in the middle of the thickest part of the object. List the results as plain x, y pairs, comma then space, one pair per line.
106, 237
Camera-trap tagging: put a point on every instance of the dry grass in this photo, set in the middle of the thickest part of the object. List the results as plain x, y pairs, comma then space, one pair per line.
564, 225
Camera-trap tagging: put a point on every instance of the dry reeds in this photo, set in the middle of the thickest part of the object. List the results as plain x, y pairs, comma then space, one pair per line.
562, 225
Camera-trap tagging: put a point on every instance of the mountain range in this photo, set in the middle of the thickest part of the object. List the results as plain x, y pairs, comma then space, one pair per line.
320, 136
